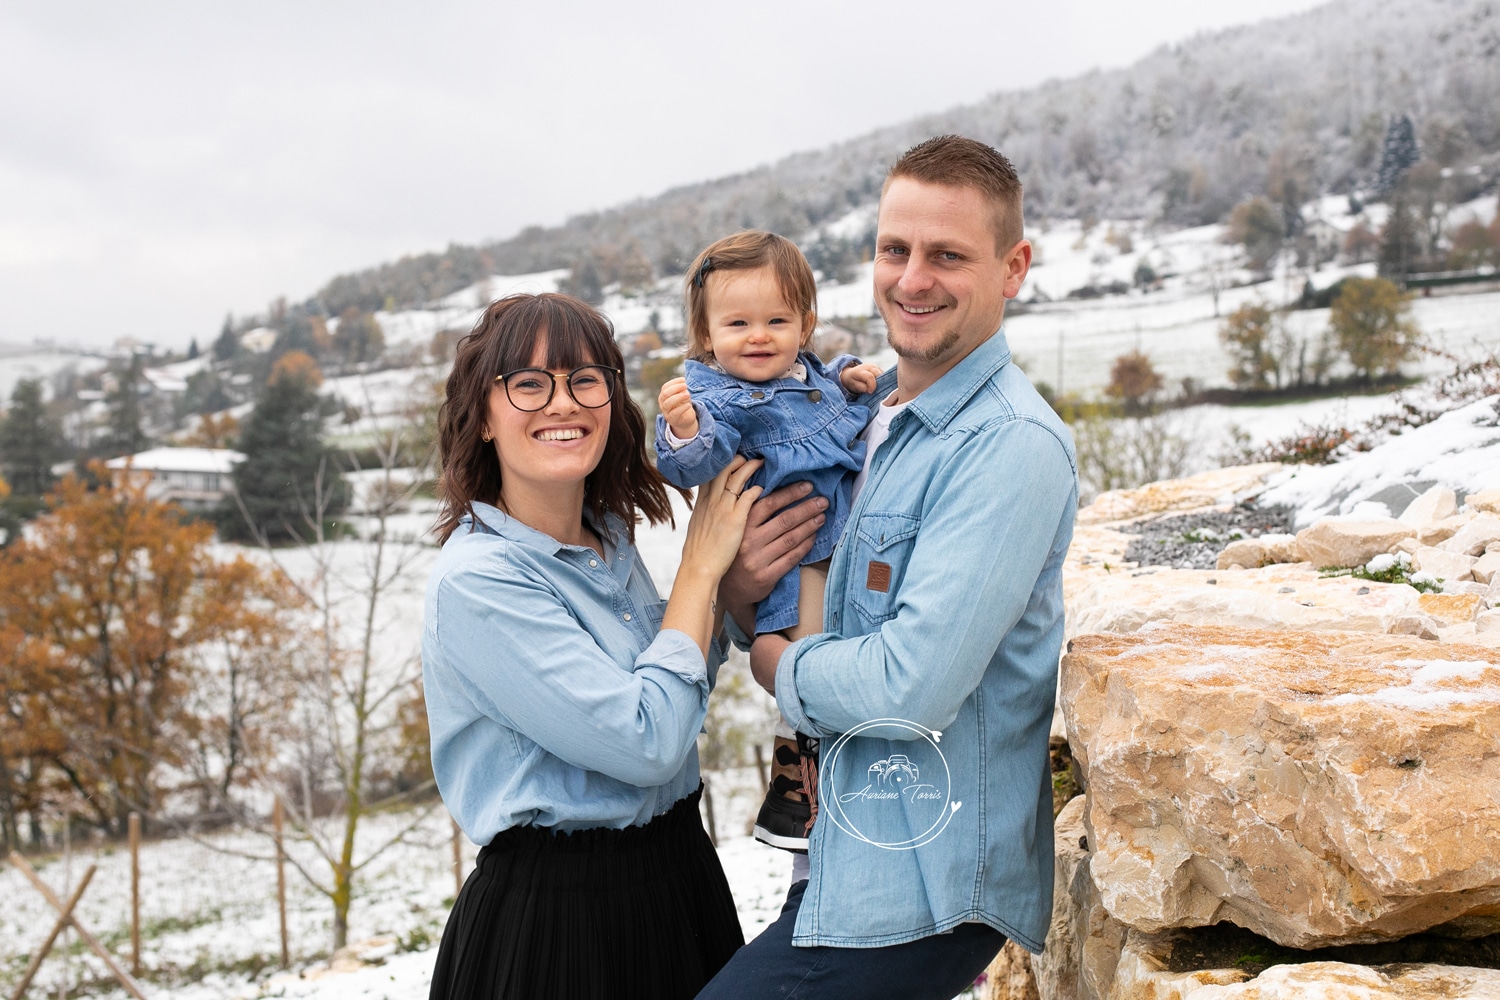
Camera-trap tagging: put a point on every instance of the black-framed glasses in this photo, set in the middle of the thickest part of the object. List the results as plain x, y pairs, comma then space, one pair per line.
531, 389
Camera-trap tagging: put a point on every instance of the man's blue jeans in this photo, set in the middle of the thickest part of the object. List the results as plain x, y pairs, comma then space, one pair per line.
931, 968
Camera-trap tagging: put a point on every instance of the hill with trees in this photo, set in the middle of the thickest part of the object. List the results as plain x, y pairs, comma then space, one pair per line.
1282, 110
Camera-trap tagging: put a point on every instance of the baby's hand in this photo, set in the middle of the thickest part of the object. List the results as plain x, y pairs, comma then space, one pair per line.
859, 378
676, 405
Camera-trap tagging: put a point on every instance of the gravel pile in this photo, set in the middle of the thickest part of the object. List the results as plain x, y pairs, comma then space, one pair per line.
1194, 541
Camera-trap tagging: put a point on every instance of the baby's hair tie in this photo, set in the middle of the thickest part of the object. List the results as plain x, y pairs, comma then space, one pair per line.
703, 269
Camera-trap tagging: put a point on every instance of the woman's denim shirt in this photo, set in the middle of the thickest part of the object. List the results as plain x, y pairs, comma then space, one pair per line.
552, 697
944, 612
805, 431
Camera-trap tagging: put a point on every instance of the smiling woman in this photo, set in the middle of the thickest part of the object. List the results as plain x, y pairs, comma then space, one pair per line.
564, 699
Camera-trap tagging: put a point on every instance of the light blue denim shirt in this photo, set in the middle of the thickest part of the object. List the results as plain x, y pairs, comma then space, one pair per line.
806, 432
552, 697
944, 612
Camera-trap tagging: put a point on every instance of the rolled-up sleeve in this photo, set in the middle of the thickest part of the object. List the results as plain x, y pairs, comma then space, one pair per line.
529, 664
701, 458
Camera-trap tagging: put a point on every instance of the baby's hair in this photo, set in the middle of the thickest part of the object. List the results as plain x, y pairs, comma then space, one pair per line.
748, 250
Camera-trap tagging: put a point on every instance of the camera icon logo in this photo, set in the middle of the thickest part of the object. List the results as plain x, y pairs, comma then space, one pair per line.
895, 771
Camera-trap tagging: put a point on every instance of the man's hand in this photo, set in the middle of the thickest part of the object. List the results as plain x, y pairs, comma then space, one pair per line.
859, 378
676, 404
778, 533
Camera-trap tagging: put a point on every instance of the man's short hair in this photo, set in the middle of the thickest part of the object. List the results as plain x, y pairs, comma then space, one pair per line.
957, 161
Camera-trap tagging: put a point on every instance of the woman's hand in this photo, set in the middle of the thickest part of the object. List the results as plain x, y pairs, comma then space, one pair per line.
713, 538
718, 522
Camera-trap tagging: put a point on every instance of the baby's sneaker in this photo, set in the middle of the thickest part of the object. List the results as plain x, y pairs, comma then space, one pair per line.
787, 812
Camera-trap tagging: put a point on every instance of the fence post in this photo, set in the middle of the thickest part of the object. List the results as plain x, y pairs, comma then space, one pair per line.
276, 819
458, 859
135, 894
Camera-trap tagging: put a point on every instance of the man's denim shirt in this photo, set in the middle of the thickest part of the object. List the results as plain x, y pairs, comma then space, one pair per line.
944, 612
552, 698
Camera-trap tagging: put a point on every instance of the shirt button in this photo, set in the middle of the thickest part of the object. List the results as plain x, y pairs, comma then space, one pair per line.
593, 562
626, 616
815, 396
757, 394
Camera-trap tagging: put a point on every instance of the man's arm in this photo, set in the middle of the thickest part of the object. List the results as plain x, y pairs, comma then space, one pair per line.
988, 527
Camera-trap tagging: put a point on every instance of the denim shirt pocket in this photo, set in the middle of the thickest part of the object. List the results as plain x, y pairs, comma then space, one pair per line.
883, 545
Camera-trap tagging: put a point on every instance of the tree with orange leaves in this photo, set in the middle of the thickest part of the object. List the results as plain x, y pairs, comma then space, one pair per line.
136, 663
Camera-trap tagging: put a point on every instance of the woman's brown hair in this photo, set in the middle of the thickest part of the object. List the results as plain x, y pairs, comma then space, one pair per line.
504, 339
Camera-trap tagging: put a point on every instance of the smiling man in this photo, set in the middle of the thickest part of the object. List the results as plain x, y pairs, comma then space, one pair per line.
944, 623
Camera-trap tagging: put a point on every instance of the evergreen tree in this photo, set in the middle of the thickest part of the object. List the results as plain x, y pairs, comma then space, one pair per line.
126, 434
288, 476
1398, 155
192, 349
227, 345
1400, 242
31, 441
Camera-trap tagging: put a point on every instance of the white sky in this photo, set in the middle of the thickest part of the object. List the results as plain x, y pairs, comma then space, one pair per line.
162, 163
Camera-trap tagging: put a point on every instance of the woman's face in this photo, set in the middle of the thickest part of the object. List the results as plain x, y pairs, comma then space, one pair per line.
551, 450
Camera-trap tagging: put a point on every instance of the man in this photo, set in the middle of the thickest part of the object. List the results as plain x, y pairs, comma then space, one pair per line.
945, 621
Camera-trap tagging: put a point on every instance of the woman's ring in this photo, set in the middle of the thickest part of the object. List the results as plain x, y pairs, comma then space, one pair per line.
728, 490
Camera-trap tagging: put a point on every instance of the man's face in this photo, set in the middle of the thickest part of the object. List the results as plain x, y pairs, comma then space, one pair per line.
940, 282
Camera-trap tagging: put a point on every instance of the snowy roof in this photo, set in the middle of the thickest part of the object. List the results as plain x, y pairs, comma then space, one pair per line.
221, 460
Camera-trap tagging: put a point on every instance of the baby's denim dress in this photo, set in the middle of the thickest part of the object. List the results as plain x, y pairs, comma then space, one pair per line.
806, 431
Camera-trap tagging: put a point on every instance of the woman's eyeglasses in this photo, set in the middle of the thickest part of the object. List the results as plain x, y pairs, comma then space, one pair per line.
531, 389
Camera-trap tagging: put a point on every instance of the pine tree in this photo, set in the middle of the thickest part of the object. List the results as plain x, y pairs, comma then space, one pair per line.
288, 476
31, 441
227, 344
1399, 154
126, 434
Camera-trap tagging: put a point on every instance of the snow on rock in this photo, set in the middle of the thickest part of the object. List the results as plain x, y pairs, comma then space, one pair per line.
1314, 787
1459, 450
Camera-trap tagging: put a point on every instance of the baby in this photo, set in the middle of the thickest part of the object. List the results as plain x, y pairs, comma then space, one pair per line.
751, 386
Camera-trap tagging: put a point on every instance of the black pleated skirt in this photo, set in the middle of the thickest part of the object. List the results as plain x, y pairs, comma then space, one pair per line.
617, 914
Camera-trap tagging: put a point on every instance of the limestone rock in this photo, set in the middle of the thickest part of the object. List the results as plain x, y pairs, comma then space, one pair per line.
1143, 974
1009, 976
1203, 490
1485, 567
1487, 621
1314, 787
1349, 541
1273, 597
1084, 941
1407, 545
1434, 505
1451, 609
1484, 500
1246, 553
1440, 531
1280, 548
1441, 563
1473, 538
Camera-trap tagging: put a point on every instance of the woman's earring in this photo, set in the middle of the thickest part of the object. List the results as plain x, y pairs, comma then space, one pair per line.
485, 436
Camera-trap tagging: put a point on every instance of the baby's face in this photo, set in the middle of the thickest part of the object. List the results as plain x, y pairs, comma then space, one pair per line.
755, 335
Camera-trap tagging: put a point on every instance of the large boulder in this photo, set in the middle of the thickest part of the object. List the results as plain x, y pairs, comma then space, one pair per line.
1217, 486
1314, 787
1349, 541
1083, 944
1447, 566
1484, 500
1273, 597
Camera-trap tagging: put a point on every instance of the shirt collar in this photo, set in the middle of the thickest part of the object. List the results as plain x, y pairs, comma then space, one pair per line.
492, 519
941, 401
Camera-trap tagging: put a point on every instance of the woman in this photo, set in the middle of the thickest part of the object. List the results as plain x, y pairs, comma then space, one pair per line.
564, 698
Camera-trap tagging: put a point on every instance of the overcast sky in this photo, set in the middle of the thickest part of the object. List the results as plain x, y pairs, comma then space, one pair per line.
162, 164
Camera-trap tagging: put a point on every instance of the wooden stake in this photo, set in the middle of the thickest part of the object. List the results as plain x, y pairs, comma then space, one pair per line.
98, 949
276, 819
57, 928
458, 859
135, 893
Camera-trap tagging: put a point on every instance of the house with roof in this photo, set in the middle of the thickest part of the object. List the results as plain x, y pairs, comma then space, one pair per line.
196, 478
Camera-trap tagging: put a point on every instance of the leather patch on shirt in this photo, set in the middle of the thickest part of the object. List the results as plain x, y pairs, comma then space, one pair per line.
878, 577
